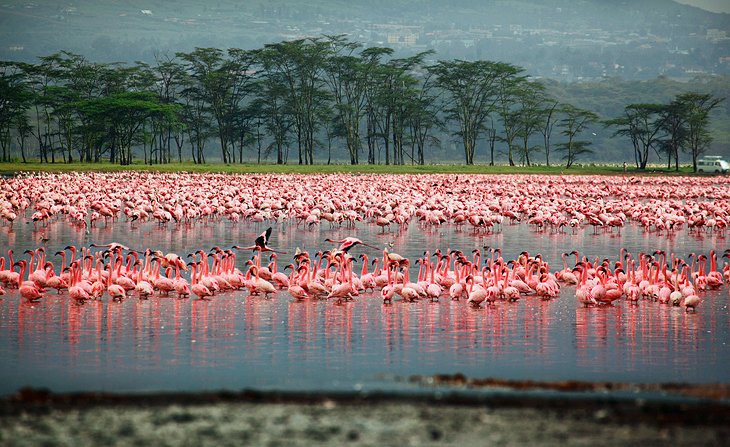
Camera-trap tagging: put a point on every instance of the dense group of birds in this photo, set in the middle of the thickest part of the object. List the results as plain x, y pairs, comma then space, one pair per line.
479, 277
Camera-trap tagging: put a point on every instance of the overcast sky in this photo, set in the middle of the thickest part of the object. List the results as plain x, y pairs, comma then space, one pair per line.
710, 5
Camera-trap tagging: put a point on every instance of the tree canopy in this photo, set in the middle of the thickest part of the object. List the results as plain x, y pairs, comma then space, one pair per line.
304, 96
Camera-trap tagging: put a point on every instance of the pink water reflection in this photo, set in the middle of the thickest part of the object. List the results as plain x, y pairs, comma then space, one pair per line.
236, 341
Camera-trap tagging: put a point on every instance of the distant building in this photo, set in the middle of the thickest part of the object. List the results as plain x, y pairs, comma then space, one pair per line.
399, 34
715, 35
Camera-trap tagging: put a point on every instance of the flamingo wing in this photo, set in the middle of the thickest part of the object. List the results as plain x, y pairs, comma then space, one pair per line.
263, 239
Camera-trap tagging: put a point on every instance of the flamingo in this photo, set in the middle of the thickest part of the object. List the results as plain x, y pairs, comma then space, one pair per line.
261, 243
115, 291
54, 281
162, 283
144, 289
281, 280
28, 289
75, 291
433, 290
583, 292
349, 242
344, 289
295, 290
475, 296
261, 285
180, 284
691, 302
509, 292
367, 279
198, 289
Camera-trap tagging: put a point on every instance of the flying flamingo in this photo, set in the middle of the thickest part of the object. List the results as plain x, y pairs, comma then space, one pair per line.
261, 243
347, 243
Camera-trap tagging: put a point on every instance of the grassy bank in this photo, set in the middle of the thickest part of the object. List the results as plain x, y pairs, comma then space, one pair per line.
11, 168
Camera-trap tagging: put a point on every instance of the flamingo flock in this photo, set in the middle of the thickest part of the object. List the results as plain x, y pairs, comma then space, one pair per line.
661, 205
556, 204
477, 278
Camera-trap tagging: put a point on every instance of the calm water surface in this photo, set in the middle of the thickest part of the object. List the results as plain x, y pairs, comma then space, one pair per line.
236, 341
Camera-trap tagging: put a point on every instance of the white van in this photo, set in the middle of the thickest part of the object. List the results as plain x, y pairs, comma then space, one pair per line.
712, 163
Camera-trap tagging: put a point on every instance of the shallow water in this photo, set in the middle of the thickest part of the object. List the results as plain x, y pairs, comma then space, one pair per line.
236, 341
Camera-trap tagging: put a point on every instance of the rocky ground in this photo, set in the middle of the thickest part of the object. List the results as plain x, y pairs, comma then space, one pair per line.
40, 419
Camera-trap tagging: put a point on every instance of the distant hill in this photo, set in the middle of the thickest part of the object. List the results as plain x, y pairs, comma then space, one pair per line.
562, 39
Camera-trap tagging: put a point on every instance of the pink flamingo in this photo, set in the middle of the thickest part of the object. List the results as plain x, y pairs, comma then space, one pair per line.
75, 291
115, 291
279, 278
433, 290
180, 284
162, 283
295, 290
347, 243
53, 281
475, 296
200, 290
28, 289
260, 285
261, 243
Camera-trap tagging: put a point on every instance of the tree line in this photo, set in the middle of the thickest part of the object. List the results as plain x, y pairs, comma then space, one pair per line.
291, 99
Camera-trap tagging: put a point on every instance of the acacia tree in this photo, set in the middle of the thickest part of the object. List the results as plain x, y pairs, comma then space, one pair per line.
675, 132
575, 121
348, 76
167, 78
491, 139
383, 95
643, 124
44, 79
23, 131
222, 83
15, 99
395, 98
82, 80
473, 89
510, 88
529, 97
124, 115
423, 118
195, 118
274, 111
299, 66
548, 114
697, 108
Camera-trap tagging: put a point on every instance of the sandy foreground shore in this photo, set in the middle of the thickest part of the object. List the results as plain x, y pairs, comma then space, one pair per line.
38, 418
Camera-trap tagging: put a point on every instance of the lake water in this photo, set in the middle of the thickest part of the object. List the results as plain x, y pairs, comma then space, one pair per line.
236, 341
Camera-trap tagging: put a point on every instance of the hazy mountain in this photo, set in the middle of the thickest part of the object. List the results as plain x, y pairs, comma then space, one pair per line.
564, 39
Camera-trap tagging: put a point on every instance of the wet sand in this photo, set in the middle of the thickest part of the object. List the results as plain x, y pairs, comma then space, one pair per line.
35, 418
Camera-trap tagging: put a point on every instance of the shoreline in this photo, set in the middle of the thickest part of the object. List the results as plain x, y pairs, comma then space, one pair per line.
34, 417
